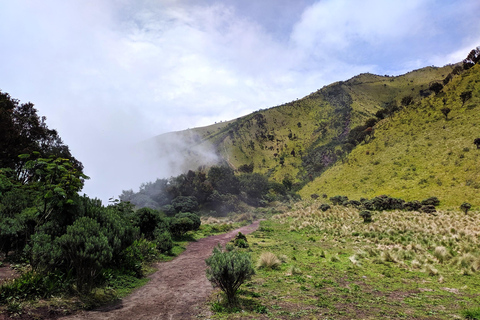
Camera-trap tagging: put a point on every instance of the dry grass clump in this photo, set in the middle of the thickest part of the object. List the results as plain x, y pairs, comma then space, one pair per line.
268, 260
430, 270
441, 253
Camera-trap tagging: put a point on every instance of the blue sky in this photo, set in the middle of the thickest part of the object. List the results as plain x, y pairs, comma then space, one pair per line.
110, 73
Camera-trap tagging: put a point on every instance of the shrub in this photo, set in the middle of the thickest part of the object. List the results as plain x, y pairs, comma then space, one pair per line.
86, 249
324, 207
366, 215
431, 201
179, 226
148, 220
192, 216
268, 260
163, 239
428, 209
240, 241
465, 207
185, 203
229, 270
338, 200
414, 205
477, 142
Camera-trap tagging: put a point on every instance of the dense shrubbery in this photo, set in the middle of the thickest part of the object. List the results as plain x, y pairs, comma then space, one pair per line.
384, 202
220, 191
71, 240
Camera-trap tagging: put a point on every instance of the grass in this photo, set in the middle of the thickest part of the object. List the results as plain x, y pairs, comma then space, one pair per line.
403, 265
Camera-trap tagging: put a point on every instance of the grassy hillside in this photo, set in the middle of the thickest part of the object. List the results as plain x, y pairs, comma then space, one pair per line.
298, 140
418, 152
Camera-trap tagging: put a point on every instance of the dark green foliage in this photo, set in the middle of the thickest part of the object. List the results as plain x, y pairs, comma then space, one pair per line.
339, 200
429, 208
472, 58
353, 203
179, 226
314, 196
223, 180
246, 168
22, 131
192, 216
431, 201
366, 215
255, 186
147, 220
141, 250
406, 101
185, 204
240, 241
465, 96
465, 207
436, 87
229, 270
476, 142
384, 202
445, 112
87, 249
163, 239
414, 205
324, 207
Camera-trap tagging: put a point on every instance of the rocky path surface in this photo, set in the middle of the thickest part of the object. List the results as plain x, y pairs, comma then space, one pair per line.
177, 290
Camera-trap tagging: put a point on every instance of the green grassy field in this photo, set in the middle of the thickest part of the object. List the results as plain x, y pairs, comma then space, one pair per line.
403, 265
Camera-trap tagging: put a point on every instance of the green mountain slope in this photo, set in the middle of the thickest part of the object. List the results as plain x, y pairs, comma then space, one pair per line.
300, 139
418, 152
413, 153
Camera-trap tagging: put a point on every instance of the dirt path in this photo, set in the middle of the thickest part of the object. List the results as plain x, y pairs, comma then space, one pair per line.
176, 291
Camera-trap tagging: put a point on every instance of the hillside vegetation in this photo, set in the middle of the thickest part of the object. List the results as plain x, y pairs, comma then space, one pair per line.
418, 152
363, 137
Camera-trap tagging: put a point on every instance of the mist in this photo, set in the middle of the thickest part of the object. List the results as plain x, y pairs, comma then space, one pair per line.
127, 167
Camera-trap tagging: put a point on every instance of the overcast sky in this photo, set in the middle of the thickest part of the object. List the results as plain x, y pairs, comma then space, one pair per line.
110, 73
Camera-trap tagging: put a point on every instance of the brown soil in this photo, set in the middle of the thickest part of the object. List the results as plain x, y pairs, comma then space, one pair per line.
7, 273
177, 290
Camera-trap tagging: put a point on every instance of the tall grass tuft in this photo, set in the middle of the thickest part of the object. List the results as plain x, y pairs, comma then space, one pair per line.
268, 260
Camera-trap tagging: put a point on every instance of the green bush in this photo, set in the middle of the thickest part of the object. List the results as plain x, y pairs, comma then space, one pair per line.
433, 201
148, 220
366, 215
465, 207
185, 203
179, 226
324, 207
229, 270
163, 239
85, 248
192, 216
338, 200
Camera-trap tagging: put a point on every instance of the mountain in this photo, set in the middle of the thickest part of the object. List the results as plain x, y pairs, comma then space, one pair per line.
362, 137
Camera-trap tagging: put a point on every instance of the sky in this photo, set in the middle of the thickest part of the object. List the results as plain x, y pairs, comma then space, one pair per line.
108, 74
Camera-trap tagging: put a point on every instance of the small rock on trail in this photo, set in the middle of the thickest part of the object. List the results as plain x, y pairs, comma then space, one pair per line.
176, 291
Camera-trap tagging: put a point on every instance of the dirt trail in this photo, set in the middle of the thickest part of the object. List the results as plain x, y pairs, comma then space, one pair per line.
176, 291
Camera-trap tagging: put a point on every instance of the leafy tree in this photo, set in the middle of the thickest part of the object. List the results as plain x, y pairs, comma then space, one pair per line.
465, 207
185, 204
472, 58
22, 131
147, 220
366, 215
192, 216
466, 95
255, 186
445, 112
477, 142
229, 270
223, 180
436, 87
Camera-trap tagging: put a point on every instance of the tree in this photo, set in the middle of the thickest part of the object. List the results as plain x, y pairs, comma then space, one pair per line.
477, 142
22, 131
466, 95
465, 207
436, 87
366, 215
229, 270
472, 58
445, 112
